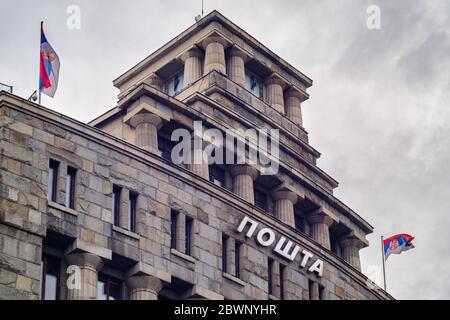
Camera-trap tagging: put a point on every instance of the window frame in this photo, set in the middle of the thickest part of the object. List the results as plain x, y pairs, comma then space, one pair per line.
52, 183
132, 210
116, 203
70, 187
174, 215
188, 228
44, 271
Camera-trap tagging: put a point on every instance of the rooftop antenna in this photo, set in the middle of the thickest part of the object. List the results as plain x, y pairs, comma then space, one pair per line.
199, 16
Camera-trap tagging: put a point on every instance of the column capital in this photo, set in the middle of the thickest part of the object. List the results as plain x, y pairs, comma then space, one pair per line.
193, 51
145, 117
244, 169
320, 217
236, 50
215, 38
354, 240
294, 91
275, 78
144, 282
85, 259
284, 194
155, 81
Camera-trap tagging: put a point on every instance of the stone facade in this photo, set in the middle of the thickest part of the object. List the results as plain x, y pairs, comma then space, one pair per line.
180, 241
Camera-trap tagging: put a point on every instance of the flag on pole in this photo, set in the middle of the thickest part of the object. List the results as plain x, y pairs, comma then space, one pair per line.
397, 244
49, 67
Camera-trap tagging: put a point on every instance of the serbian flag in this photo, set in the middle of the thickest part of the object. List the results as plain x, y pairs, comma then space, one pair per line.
397, 244
49, 67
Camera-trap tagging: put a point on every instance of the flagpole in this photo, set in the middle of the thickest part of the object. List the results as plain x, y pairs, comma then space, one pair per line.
383, 258
39, 86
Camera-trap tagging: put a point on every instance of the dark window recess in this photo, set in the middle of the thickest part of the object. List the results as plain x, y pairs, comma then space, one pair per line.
321, 293
116, 204
269, 271
52, 180
173, 228
70, 187
132, 205
217, 175
260, 199
237, 258
188, 235
165, 147
282, 271
224, 253
108, 288
49, 278
299, 223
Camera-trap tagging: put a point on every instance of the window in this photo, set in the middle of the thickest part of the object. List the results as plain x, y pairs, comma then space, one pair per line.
237, 258
217, 175
316, 291
282, 271
260, 199
175, 84
49, 278
224, 253
173, 228
253, 83
165, 146
108, 288
188, 235
270, 278
299, 223
132, 205
70, 187
116, 204
52, 180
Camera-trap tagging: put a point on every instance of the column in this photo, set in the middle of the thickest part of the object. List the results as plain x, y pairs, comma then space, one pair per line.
284, 206
243, 177
146, 126
155, 81
192, 65
89, 265
198, 164
293, 109
314, 291
320, 228
236, 65
350, 251
215, 54
274, 89
143, 287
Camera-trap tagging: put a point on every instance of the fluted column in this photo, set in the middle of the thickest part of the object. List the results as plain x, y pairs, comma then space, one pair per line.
146, 126
236, 65
192, 65
350, 251
284, 206
155, 81
144, 287
198, 164
215, 54
274, 89
320, 228
293, 108
243, 177
88, 264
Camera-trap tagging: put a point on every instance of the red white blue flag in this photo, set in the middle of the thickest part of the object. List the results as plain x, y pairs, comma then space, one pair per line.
49, 67
397, 244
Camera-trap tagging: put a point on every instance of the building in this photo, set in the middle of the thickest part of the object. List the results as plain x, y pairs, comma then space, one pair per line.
100, 211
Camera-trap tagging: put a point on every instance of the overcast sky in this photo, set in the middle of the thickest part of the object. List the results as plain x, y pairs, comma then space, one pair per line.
379, 110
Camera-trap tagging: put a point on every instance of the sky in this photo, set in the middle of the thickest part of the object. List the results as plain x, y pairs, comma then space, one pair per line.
379, 108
